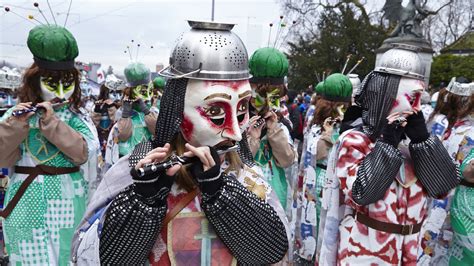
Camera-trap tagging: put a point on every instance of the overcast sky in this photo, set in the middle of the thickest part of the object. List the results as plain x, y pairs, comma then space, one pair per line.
104, 28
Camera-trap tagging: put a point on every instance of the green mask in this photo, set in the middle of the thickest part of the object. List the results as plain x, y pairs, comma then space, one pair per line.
51, 89
270, 101
142, 91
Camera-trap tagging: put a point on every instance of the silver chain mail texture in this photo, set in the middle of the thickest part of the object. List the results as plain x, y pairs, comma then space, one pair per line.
376, 172
376, 97
131, 227
434, 167
248, 226
168, 122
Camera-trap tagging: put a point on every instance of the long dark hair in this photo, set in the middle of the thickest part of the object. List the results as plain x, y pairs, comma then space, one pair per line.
30, 90
325, 109
451, 105
468, 109
104, 92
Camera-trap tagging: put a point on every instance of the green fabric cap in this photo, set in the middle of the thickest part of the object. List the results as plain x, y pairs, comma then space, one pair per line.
337, 87
137, 74
268, 63
159, 82
319, 88
52, 43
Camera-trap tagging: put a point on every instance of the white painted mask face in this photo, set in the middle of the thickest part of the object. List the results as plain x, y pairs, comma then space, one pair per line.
214, 111
115, 95
51, 89
408, 95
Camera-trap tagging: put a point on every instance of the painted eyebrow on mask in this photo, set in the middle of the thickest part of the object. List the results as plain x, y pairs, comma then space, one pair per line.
245, 94
218, 95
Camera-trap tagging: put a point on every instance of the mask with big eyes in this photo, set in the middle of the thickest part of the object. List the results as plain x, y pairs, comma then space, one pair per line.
115, 95
142, 91
267, 102
56, 89
214, 111
408, 95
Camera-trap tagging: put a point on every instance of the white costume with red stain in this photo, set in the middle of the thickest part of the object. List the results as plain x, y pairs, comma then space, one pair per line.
404, 203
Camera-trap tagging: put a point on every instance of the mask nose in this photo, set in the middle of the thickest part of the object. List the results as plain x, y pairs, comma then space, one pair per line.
233, 133
60, 90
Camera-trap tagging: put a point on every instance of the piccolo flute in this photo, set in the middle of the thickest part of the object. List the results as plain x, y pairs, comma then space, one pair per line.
151, 168
34, 108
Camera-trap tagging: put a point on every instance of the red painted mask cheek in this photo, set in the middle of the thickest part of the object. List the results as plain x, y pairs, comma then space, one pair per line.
187, 128
395, 103
417, 102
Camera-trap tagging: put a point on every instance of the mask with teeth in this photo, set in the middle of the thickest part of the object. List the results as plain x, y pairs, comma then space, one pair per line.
214, 111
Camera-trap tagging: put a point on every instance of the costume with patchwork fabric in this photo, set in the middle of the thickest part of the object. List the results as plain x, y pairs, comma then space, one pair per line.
273, 147
45, 148
137, 120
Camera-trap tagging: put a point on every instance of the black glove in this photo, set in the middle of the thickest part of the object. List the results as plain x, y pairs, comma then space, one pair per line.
392, 134
209, 181
416, 128
149, 185
142, 106
98, 107
126, 109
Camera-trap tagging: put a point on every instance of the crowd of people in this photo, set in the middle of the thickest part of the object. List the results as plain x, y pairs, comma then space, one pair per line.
216, 162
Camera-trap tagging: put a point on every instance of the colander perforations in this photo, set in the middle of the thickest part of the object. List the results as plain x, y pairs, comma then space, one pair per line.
236, 57
215, 40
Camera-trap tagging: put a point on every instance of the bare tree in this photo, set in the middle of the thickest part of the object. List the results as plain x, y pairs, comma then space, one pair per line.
307, 13
449, 24
444, 21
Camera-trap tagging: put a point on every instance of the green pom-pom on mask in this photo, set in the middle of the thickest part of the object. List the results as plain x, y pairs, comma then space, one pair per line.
336, 87
137, 74
268, 65
159, 83
53, 44
319, 87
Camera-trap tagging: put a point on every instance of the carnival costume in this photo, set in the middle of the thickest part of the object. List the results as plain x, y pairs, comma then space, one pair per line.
460, 145
335, 93
47, 195
105, 109
383, 184
158, 87
235, 216
137, 122
273, 149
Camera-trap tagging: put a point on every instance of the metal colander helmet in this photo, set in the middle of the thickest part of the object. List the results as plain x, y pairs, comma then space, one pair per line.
114, 83
402, 60
355, 81
209, 51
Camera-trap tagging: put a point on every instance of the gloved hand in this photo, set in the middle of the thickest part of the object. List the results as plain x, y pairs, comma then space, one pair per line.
142, 106
416, 128
392, 134
150, 184
210, 180
126, 109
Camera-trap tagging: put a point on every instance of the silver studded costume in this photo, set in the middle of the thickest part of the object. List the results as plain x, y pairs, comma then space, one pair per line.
123, 225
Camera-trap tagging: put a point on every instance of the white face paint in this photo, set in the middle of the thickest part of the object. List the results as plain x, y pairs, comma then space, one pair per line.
214, 111
51, 89
408, 95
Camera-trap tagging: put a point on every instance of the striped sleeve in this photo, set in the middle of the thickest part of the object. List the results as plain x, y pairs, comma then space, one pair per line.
434, 167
